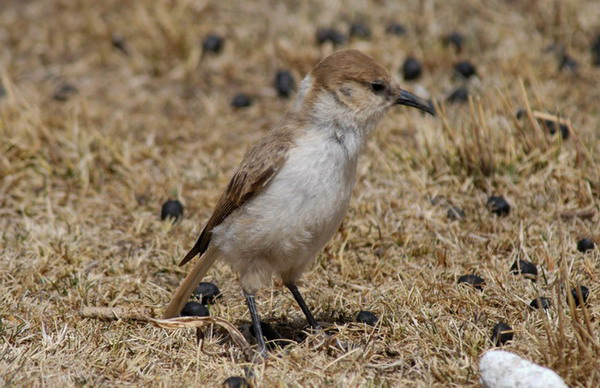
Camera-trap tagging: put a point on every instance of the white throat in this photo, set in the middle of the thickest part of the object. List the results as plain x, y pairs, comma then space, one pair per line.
347, 128
336, 121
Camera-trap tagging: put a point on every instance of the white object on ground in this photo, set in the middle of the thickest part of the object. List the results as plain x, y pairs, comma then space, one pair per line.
502, 369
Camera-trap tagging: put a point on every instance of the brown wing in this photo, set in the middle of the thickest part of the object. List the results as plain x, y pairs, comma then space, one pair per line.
260, 164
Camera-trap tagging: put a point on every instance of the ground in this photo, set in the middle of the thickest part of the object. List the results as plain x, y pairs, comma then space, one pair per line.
110, 108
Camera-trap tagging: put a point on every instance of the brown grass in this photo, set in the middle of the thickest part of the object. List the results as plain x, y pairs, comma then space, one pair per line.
82, 182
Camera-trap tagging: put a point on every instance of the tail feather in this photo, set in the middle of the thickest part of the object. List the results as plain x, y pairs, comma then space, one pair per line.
190, 283
199, 248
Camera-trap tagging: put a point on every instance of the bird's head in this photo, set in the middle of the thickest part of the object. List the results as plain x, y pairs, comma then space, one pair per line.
349, 86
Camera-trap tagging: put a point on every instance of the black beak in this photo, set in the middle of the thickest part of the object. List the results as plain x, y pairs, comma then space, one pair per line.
409, 99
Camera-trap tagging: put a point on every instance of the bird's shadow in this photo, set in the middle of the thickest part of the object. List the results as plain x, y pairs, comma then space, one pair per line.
282, 332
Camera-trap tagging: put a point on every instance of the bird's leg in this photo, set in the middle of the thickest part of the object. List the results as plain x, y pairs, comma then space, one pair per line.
262, 347
309, 317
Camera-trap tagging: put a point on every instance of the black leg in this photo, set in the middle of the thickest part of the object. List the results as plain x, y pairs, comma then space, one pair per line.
309, 317
262, 347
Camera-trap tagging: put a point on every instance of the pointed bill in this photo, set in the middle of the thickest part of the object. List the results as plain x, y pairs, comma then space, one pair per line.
409, 99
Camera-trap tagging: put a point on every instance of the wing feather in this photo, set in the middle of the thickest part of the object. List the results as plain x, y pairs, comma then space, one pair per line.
260, 164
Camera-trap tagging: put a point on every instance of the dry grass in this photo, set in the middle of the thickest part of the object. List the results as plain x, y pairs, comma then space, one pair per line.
82, 182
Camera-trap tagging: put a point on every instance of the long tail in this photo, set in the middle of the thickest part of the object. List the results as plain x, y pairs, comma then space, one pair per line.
190, 283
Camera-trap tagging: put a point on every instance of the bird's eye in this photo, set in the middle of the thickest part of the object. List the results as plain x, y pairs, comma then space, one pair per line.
377, 86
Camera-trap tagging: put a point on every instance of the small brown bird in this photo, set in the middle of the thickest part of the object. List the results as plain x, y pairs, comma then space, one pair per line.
289, 195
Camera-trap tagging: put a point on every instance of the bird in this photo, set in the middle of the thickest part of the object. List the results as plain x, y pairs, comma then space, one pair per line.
290, 193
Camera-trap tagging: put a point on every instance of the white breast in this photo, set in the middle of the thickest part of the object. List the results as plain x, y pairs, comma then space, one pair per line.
314, 187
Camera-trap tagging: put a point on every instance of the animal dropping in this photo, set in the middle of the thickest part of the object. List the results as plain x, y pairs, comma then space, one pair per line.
207, 292
411, 69
241, 100
525, 268
194, 309
367, 317
580, 300
284, 83
171, 209
395, 28
465, 68
502, 334
498, 205
473, 280
459, 95
236, 382
585, 245
455, 39
331, 35
360, 30
540, 302
552, 123
213, 44
568, 63
65, 92
551, 127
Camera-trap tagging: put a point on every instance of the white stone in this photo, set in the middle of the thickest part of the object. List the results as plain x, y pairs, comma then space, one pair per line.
502, 369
